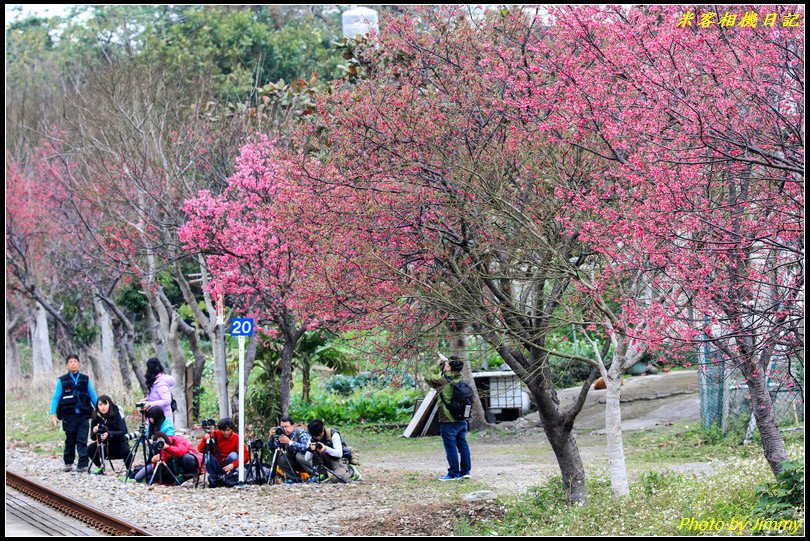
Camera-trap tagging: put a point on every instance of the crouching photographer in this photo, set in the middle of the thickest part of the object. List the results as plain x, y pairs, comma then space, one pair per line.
221, 449
108, 430
327, 455
293, 442
179, 456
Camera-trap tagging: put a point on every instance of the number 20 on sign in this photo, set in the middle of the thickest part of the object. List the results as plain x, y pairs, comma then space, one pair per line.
241, 326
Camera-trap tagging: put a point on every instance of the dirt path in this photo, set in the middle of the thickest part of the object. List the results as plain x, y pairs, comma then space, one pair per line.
399, 495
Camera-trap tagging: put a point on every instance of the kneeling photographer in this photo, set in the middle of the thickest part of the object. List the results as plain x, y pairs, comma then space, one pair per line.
328, 449
177, 453
108, 430
222, 449
293, 441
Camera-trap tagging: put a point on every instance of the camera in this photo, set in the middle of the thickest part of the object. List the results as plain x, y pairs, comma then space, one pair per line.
256, 445
317, 445
276, 432
158, 445
208, 424
132, 436
141, 405
101, 429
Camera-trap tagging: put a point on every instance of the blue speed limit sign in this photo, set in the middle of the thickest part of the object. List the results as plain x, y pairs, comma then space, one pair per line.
242, 326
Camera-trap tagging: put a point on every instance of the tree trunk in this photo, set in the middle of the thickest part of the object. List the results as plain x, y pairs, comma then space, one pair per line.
458, 344
286, 374
568, 458
41, 347
613, 426
214, 331
221, 371
773, 446
13, 364
306, 369
250, 357
108, 377
179, 373
158, 336
123, 361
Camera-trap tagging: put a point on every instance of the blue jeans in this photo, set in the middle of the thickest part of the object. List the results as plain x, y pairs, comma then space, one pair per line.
215, 469
454, 437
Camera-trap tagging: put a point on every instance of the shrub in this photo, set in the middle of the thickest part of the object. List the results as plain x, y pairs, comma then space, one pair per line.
782, 498
360, 407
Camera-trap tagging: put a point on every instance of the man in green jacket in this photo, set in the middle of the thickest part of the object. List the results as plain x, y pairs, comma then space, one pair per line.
453, 431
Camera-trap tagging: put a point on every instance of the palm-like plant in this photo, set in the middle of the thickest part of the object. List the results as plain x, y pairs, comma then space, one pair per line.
314, 348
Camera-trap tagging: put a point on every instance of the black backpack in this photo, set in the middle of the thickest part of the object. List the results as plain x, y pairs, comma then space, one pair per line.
460, 406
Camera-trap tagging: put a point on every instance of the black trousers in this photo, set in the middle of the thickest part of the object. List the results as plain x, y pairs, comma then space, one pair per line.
116, 450
76, 427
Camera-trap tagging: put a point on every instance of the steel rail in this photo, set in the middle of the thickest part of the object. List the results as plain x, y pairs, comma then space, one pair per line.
81, 511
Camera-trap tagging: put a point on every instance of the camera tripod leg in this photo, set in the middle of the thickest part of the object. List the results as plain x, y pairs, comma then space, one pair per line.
168, 470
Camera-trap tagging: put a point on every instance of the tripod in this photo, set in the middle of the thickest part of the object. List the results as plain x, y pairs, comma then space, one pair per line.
101, 449
280, 453
168, 470
320, 468
210, 447
142, 442
255, 468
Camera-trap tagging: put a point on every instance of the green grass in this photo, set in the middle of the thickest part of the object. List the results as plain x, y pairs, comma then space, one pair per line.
658, 501
692, 443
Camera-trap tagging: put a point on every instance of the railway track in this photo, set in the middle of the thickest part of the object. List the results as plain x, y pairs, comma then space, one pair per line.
80, 511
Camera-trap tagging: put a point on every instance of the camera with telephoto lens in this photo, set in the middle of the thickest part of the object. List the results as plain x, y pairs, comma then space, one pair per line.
132, 436
158, 446
276, 432
141, 406
208, 424
256, 445
101, 428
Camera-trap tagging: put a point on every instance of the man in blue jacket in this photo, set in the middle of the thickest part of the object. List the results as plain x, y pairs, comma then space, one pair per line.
73, 401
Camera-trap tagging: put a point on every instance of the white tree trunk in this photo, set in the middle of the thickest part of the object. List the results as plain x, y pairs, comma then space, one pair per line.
613, 426
625, 354
220, 369
13, 364
41, 347
109, 375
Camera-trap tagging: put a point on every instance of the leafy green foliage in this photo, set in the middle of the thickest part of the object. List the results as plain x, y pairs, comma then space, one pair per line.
361, 407
345, 385
783, 498
263, 399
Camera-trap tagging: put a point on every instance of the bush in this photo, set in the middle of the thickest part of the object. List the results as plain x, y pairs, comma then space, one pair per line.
360, 407
345, 385
782, 499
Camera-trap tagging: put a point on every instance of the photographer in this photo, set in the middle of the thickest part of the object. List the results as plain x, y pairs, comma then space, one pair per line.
294, 441
108, 428
177, 452
444, 377
328, 448
73, 402
160, 387
156, 421
224, 454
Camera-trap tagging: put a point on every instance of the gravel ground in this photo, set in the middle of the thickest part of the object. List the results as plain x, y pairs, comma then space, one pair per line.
399, 495
386, 502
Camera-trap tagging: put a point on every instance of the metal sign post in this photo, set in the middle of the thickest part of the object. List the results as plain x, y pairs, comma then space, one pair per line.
241, 327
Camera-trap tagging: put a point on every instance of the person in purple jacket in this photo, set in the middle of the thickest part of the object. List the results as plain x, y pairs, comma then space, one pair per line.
160, 387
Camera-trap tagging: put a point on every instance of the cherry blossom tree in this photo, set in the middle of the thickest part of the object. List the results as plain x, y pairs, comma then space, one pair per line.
431, 202
701, 131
